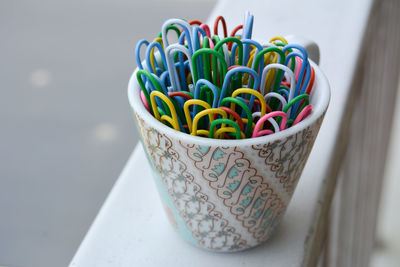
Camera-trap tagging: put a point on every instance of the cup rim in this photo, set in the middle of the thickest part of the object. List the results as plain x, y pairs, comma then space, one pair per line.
318, 110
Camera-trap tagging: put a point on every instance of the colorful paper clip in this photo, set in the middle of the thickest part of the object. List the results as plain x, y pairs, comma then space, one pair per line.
223, 86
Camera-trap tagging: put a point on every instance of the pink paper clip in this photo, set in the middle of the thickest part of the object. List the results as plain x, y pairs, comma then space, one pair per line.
303, 114
144, 101
257, 133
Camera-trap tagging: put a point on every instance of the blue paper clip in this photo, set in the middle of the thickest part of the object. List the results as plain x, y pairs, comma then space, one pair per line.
247, 32
203, 82
228, 78
150, 54
137, 52
305, 67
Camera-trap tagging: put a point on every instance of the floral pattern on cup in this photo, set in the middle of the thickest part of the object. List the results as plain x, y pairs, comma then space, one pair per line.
231, 198
208, 226
249, 197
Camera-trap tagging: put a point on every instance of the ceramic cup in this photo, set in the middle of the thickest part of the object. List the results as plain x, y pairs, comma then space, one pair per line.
228, 195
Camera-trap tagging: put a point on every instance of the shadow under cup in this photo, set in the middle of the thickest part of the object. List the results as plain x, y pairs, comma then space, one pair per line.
228, 195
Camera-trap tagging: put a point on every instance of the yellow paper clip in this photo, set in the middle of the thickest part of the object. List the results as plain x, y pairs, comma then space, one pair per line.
256, 94
173, 121
189, 103
210, 112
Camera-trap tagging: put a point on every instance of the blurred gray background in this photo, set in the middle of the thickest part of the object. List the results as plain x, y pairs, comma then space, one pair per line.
66, 127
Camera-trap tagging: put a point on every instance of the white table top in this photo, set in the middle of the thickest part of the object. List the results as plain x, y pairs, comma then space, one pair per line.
132, 229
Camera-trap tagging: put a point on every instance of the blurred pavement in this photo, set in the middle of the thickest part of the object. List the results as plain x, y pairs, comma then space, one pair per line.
66, 127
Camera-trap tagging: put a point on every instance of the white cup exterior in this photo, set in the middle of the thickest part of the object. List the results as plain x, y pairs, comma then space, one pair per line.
228, 195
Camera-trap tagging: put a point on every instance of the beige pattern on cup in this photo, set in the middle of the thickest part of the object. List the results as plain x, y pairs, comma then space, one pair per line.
208, 226
247, 194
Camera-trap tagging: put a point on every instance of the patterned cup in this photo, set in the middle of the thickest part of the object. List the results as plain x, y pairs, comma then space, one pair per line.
228, 195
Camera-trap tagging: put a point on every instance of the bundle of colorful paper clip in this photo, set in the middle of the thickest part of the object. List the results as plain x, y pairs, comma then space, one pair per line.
227, 88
